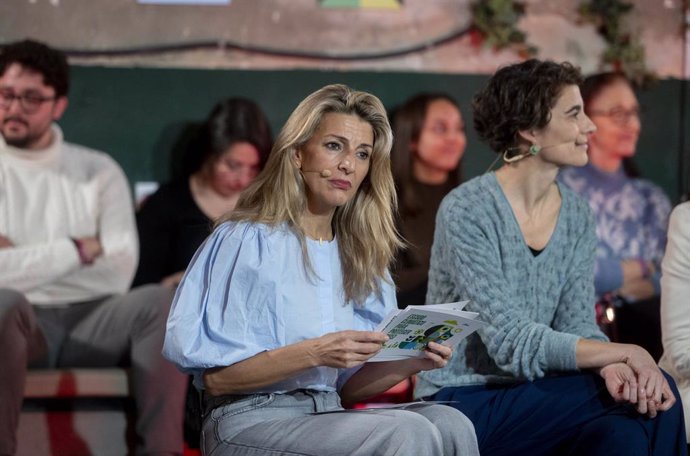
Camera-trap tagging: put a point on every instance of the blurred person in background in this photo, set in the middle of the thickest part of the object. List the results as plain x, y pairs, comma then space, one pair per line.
429, 142
675, 304
68, 252
631, 213
227, 153
230, 150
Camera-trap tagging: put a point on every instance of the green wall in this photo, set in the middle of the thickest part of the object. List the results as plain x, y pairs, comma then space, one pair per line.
137, 114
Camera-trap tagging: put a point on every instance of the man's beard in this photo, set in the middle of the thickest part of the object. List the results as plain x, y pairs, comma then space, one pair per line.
20, 142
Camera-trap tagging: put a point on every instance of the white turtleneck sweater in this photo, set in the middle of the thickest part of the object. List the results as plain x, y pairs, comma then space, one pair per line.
49, 197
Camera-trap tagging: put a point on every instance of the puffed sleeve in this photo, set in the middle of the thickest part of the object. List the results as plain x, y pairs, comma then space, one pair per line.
224, 308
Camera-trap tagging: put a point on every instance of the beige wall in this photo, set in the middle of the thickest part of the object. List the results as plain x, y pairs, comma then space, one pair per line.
304, 27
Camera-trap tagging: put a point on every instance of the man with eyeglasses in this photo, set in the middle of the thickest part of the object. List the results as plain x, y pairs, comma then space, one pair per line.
68, 252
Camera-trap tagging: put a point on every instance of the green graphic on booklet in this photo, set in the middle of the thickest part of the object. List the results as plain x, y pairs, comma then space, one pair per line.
411, 329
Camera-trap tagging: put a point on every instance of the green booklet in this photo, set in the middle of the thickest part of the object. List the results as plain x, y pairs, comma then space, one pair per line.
411, 329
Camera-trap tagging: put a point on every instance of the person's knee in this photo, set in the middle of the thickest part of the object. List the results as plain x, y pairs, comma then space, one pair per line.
14, 307
672, 384
17, 330
454, 427
677, 408
415, 431
12, 298
675, 414
152, 301
453, 421
619, 435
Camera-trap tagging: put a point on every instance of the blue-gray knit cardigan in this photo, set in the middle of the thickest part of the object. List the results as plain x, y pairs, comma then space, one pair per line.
536, 307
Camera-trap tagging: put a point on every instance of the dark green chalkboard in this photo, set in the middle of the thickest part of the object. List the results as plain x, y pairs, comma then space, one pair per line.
137, 114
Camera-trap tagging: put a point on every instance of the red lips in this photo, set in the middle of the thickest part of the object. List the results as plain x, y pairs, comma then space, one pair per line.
341, 184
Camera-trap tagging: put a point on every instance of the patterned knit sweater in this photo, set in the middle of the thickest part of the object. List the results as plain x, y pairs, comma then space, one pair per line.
536, 307
631, 218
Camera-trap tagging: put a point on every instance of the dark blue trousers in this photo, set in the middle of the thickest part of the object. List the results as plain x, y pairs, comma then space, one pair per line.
569, 415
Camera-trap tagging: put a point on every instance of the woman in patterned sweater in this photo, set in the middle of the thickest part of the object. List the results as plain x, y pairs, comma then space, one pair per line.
631, 214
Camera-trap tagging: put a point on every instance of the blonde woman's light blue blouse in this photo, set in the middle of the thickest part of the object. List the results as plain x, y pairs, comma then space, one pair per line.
247, 291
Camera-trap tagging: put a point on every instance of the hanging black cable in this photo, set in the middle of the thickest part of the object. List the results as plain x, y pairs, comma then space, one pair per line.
267, 50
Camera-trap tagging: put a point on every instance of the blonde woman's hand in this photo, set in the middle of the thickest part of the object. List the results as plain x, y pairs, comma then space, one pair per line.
344, 349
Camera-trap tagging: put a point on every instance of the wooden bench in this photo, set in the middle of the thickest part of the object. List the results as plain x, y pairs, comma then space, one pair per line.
76, 412
398, 394
89, 412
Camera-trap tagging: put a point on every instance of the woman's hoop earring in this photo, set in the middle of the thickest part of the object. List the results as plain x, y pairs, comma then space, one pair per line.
534, 149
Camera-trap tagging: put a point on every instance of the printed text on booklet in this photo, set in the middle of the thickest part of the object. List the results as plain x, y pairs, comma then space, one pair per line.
411, 329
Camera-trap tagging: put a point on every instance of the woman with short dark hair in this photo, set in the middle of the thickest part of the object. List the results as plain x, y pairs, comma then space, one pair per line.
540, 378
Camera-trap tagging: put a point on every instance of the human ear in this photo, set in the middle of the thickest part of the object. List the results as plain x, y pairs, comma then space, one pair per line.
297, 159
59, 107
529, 136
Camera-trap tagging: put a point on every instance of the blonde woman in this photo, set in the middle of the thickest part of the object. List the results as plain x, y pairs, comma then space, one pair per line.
275, 315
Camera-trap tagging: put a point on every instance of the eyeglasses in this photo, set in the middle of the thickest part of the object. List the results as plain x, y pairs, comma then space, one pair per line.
619, 116
30, 103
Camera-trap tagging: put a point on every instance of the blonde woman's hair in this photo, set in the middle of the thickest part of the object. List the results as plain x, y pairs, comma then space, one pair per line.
364, 227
